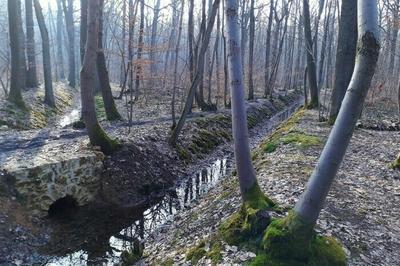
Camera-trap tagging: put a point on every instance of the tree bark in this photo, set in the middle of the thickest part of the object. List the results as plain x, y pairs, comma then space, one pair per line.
97, 135
83, 33
60, 56
69, 21
312, 200
48, 83
244, 166
268, 50
31, 75
109, 104
17, 83
23, 68
251, 50
312, 72
345, 55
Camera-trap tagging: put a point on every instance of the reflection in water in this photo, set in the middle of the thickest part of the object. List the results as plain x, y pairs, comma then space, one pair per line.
95, 238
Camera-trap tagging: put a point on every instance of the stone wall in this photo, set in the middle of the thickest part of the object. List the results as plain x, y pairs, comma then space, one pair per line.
47, 180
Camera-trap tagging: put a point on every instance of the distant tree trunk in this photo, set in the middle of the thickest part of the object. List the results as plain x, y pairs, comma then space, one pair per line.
17, 83
31, 75
48, 83
60, 57
323, 47
267, 91
83, 32
139, 64
23, 69
123, 66
178, 43
312, 72
251, 49
345, 55
312, 200
153, 42
69, 21
246, 174
109, 104
198, 77
190, 40
97, 135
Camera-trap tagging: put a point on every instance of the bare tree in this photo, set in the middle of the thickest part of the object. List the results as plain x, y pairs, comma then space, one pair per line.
69, 21
48, 83
31, 76
97, 136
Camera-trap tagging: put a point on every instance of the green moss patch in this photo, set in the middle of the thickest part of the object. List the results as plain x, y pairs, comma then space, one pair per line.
301, 139
100, 110
245, 227
212, 251
396, 163
292, 241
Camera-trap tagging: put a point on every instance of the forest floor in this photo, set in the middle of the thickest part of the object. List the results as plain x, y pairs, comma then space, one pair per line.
362, 208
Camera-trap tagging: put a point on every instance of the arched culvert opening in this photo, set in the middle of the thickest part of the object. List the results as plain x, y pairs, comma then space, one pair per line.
63, 207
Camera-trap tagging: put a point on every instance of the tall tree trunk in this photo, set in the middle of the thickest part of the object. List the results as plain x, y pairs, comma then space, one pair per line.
198, 77
345, 55
139, 64
83, 33
251, 49
97, 135
31, 75
323, 47
23, 68
267, 91
312, 72
177, 47
17, 83
48, 83
109, 104
153, 42
244, 166
69, 21
60, 56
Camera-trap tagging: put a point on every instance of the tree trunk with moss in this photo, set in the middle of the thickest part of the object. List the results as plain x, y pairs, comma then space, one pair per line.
293, 238
17, 83
48, 83
109, 104
97, 135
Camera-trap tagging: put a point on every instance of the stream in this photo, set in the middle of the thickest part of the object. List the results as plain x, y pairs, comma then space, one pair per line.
96, 237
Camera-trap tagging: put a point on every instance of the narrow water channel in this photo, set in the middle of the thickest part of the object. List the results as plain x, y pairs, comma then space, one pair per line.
98, 237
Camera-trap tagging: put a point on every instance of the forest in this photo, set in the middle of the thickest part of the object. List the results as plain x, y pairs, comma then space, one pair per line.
207, 132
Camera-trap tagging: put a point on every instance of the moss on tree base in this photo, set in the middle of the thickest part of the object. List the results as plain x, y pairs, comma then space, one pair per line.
98, 137
292, 241
245, 227
396, 163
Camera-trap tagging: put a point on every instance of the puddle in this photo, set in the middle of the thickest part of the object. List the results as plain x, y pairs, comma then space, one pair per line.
88, 239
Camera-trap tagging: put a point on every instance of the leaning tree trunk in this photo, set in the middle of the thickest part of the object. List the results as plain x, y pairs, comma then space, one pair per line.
198, 75
109, 104
312, 72
17, 83
31, 75
312, 200
345, 55
97, 135
48, 84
